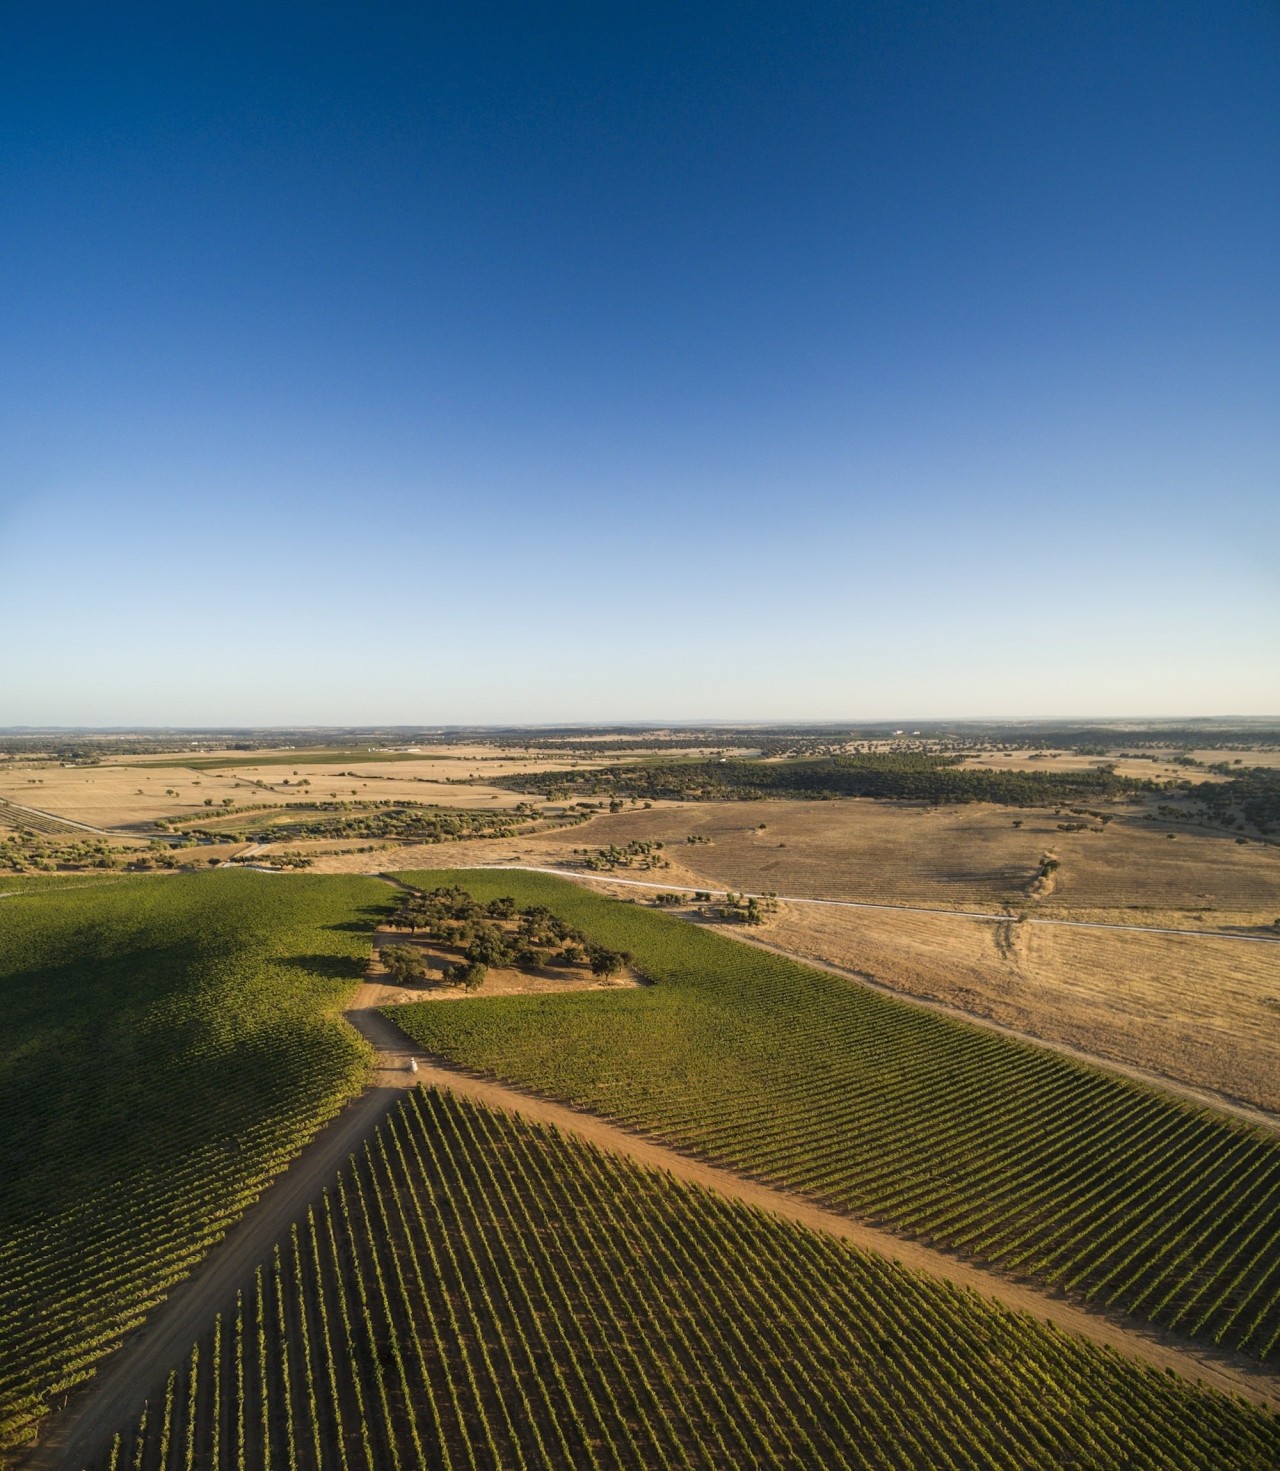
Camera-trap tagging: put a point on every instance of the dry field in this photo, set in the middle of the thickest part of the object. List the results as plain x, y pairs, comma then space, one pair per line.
120, 794
1138, 767
1258, 756
962, 857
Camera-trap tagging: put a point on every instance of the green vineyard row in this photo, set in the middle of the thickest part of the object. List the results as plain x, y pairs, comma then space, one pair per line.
477, 1292
170, 1045
1016, 1156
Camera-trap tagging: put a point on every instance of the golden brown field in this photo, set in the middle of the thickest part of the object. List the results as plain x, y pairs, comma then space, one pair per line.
120, 793
962, 857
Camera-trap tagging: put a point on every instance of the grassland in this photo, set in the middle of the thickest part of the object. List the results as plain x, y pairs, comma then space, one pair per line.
480, 1292
170, 1043
1014, 1156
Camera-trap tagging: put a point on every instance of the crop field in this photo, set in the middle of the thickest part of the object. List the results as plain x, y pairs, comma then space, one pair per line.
1014, 1156
1201, 1011
480, 1292
170, 1044
135, 793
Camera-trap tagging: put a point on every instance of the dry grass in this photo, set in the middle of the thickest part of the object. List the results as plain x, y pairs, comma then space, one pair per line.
964, 857
116, 794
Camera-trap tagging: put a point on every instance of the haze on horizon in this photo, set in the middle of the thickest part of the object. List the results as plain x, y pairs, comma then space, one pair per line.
597, 364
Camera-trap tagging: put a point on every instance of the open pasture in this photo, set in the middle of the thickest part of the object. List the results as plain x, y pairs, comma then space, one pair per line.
170, 1044
110, 796
479, 1291
1017, 1157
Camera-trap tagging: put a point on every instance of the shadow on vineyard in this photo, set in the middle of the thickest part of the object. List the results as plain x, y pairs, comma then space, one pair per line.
170, 1044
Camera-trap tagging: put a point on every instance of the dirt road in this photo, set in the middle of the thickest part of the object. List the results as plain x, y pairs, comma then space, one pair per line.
139, 1368
1226, 1372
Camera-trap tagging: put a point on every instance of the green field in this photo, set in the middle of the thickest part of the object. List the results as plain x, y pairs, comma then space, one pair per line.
1013, 1155
169, 1043
478, 1292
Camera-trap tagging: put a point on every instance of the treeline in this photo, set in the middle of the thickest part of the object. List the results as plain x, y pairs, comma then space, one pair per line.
402, 824
911, 777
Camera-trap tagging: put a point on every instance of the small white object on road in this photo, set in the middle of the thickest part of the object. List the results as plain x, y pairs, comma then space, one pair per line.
413, 1064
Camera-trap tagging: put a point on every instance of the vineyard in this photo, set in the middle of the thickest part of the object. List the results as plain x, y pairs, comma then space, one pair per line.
170, 1044
479, 1292
1012, 1155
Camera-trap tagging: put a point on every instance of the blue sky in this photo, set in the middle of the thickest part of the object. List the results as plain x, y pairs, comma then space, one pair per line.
601, 362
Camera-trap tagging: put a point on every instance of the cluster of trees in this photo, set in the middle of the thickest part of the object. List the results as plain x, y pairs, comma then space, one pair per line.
742, 908
398, 821
499, 934
407, 966
642, 855
1250, 797
909, 776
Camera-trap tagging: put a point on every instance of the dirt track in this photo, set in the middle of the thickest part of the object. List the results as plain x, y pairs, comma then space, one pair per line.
75, 1436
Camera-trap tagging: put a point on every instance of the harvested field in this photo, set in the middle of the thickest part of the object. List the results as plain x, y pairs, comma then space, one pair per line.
119, 796
116, 796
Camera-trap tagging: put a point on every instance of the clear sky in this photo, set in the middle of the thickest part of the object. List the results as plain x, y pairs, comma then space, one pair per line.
518, 363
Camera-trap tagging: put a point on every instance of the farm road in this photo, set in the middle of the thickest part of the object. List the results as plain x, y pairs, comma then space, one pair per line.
75, 1436
72, 1438
1226, 1372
